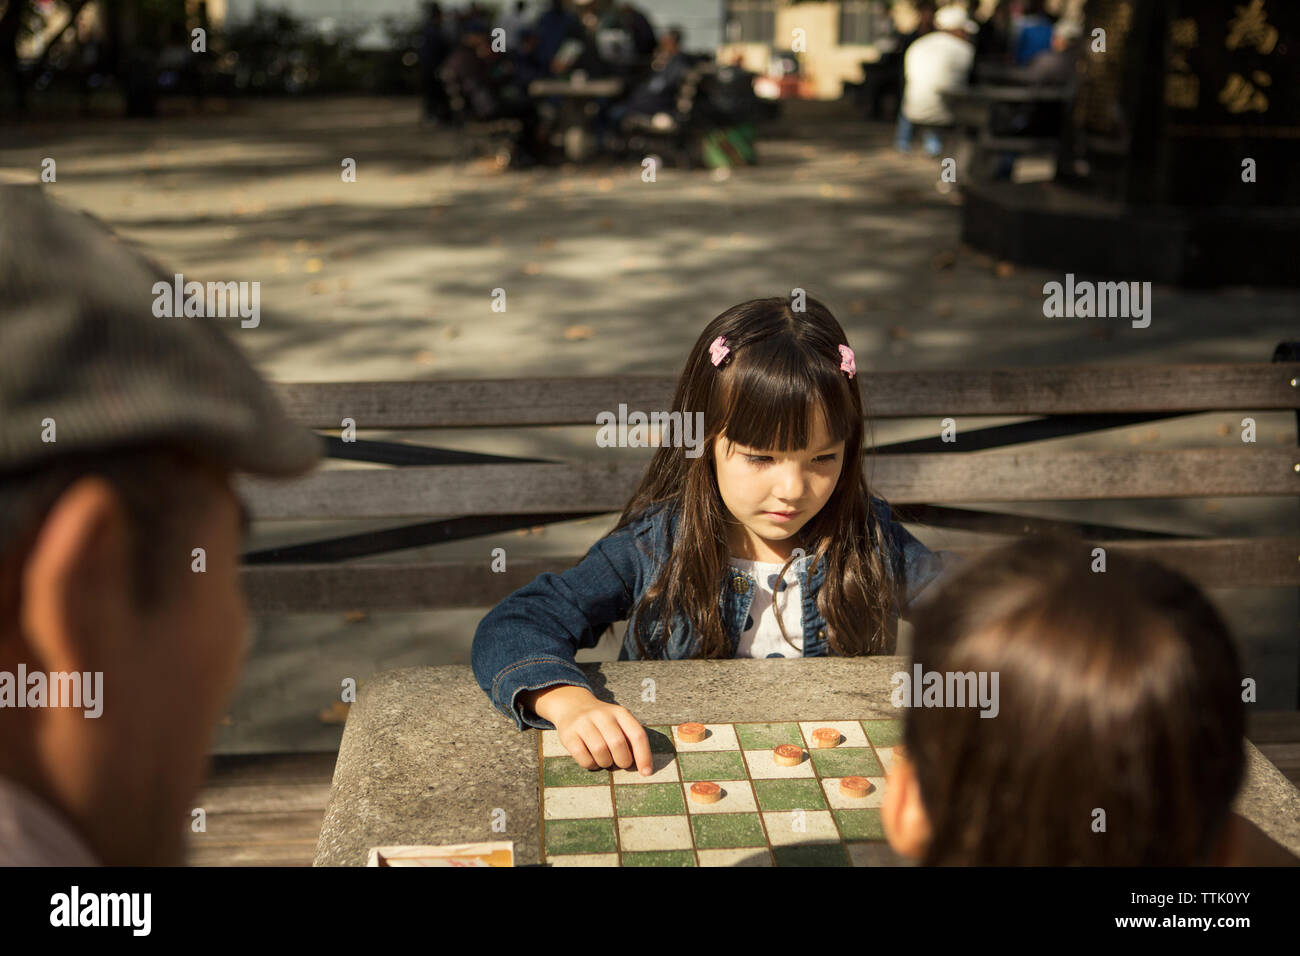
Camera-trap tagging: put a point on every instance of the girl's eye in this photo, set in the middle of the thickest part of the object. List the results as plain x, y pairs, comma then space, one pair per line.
761, 461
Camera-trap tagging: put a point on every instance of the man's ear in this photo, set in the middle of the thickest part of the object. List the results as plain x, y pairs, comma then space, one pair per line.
75, 604
902, 815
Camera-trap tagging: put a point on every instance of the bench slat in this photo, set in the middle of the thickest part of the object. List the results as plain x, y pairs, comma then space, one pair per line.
1043, 390
903, 479
277, 589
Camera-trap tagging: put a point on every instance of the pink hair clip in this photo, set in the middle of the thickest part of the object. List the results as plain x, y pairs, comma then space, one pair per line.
847, 363
718, 350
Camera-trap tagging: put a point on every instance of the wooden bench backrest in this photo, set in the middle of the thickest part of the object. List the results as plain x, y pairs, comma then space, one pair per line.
1022, 474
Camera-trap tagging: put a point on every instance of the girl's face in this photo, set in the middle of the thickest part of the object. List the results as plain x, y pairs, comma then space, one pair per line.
757, 482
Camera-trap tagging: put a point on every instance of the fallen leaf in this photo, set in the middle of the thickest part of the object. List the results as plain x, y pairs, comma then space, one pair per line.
424, 358
532, 268
944, 260
1004, 270
354, 617
313, 265
1223, 430
574, 332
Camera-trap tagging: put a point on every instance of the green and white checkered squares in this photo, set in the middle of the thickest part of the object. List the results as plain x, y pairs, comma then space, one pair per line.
768, 814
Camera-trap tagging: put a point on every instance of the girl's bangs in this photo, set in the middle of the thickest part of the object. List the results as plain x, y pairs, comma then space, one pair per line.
770, 400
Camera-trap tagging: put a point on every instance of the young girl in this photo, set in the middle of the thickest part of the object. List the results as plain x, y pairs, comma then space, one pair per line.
1118, 735
767, 544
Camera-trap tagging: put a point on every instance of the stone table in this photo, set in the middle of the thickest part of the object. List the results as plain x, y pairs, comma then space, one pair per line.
426, 759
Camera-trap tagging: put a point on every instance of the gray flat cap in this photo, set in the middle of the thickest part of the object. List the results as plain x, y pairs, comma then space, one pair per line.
81, 345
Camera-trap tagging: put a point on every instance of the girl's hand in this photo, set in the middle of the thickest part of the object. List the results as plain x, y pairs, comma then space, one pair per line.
597, 734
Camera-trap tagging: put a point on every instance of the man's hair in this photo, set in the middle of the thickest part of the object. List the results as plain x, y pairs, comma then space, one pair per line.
162, 497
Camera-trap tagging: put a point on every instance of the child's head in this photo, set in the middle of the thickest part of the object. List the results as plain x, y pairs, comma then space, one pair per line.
783, 431
1118, 691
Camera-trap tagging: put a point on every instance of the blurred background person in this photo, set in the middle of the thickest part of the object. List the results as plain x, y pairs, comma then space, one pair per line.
434, 49
924, 24
1031, 32
936, 63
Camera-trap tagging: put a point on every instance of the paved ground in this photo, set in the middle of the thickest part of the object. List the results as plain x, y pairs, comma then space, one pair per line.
391, 277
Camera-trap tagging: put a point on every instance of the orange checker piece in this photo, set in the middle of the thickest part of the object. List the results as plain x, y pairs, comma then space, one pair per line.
826, 737
703, 792
787, 755
691, 733
855, 787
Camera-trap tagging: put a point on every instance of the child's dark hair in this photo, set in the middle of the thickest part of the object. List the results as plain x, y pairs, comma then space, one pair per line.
784, 367
1119, 690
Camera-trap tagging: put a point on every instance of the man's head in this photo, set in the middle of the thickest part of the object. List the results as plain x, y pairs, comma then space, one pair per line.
953, 19
120, 534
101, 573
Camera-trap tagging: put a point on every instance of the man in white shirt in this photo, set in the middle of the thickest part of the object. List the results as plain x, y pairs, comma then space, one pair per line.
937, 62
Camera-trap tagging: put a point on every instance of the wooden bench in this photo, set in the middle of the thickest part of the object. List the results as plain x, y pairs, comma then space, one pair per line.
993, 120
450, 495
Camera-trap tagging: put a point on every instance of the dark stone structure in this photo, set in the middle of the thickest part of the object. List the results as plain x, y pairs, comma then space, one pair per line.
1180, 161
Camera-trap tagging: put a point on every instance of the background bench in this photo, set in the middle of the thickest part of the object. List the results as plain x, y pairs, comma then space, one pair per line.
452, 495
997, 120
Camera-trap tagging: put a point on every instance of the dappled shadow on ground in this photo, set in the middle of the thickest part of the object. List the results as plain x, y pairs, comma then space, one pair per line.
392, 276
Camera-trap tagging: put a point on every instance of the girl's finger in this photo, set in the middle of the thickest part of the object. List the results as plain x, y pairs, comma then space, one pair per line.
595, 742
637, 737
578, 750
608, 725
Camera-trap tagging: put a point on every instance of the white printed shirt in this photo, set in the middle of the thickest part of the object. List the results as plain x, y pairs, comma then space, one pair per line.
761, 637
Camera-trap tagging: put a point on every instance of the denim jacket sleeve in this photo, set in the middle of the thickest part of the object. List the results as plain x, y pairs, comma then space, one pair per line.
916, 567
528, 641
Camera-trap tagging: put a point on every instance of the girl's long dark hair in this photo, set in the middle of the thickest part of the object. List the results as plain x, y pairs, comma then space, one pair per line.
783, 369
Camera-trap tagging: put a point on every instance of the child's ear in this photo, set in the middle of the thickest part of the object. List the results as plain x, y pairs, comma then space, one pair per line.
902, 815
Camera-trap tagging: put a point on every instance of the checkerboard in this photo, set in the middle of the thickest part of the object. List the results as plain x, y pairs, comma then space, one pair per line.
768, 815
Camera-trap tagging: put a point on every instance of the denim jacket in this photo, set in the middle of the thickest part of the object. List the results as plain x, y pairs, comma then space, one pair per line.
528, 641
